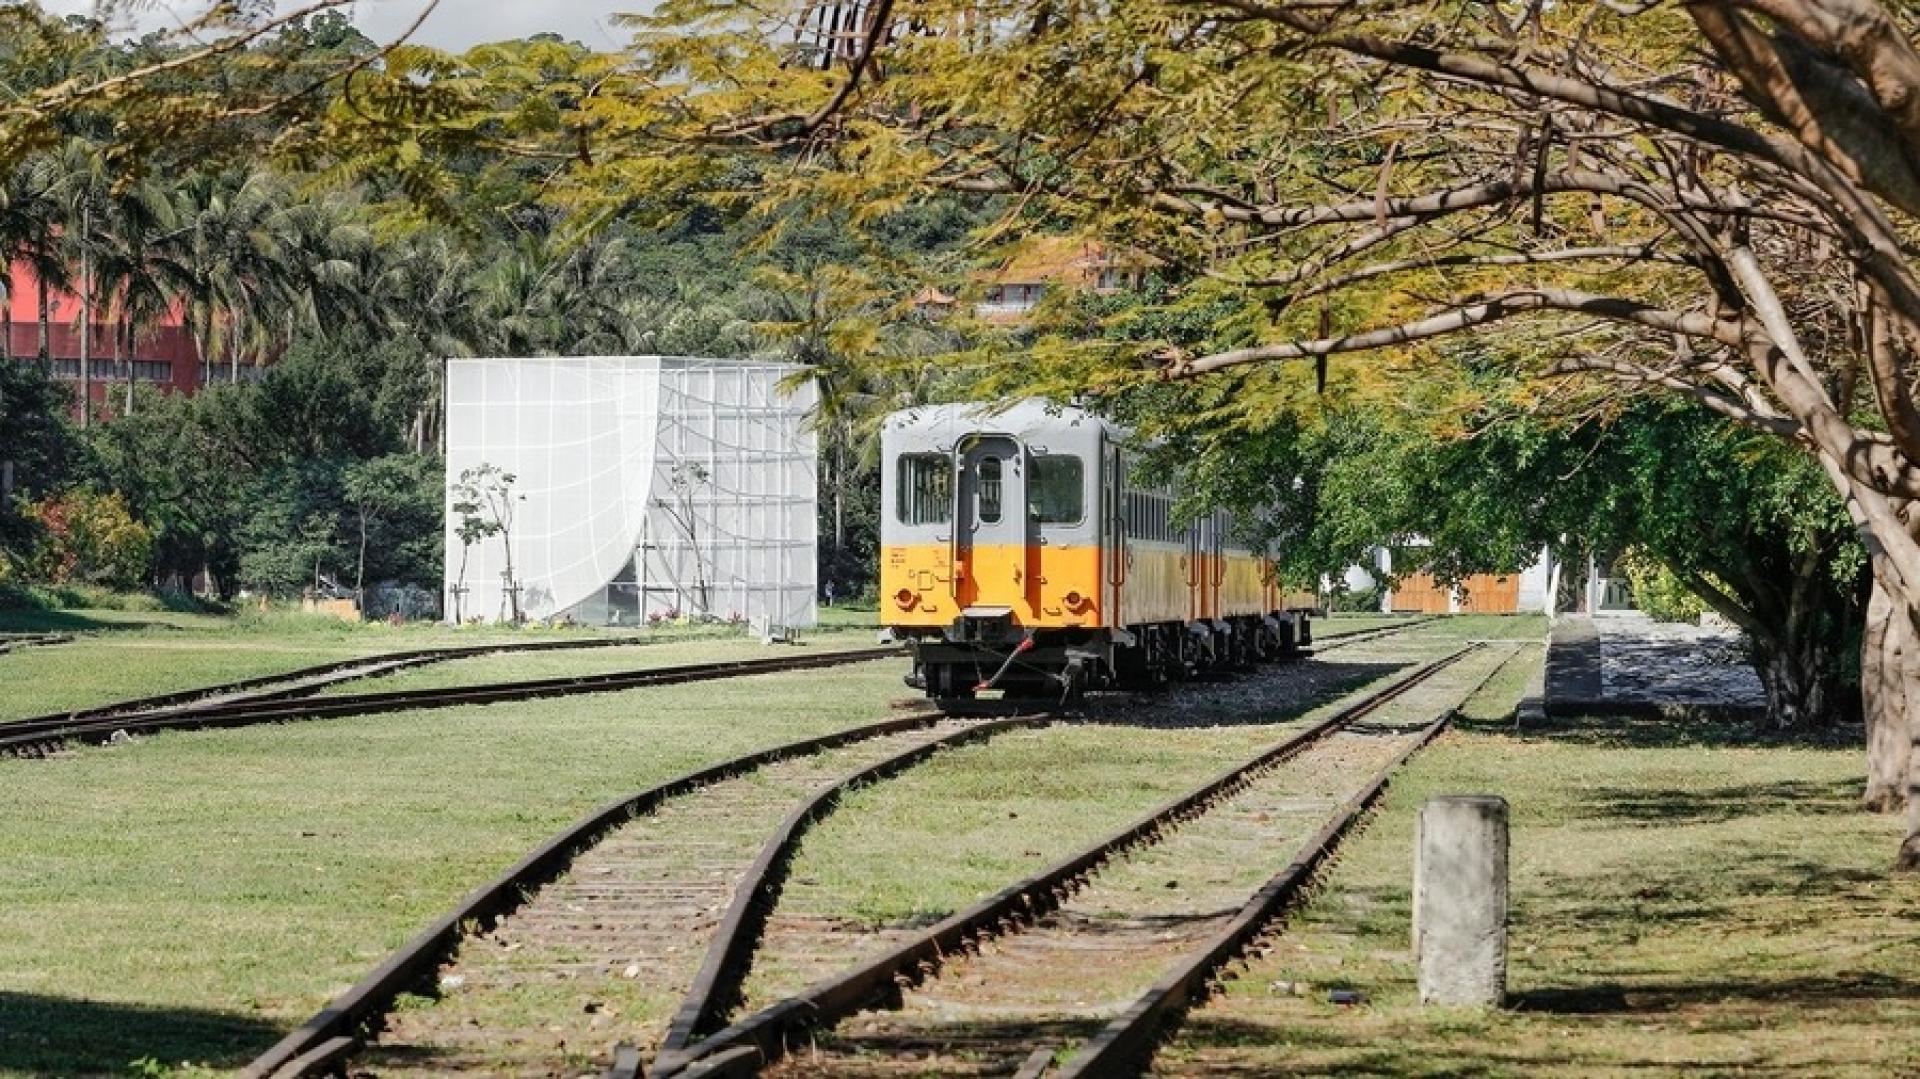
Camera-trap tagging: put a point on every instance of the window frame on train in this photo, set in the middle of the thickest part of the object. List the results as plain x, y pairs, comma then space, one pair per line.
923, 488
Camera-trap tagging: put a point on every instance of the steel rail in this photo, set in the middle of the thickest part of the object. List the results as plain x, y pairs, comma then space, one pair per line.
1362, 636
714, 989
332, 1033
1124, 1043
13, 642
13, 739
758, 1039
381, 663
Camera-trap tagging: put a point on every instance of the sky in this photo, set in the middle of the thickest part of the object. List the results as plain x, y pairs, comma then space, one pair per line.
454, 24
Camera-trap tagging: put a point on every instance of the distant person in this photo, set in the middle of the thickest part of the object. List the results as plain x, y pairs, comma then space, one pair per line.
829, 592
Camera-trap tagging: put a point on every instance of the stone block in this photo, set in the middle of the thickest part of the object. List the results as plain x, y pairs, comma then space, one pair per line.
1460, 900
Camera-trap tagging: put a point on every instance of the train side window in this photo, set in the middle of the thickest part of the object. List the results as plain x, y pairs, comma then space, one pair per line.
926, 489
1057, 491
989, 490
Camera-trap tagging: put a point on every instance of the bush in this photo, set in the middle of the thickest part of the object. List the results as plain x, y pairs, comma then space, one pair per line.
1657, 591
88, 538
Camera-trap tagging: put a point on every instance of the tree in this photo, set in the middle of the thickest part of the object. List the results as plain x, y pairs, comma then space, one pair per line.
1708, 199
381, 490
484, 496
39, 450
682, 481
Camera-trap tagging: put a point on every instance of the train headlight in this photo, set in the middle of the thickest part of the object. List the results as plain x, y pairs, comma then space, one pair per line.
904, 599
1075, 602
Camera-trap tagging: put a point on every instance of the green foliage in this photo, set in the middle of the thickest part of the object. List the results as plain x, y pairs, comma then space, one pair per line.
37, 443
88, 537
1656, 590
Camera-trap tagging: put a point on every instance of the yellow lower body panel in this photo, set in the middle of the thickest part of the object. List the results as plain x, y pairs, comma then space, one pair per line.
1044, 586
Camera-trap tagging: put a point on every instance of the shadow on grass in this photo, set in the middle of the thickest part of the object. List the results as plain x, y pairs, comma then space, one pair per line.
1217, 1046
47, 1035
1707, 805
1815, 991
1651, 732
37, 621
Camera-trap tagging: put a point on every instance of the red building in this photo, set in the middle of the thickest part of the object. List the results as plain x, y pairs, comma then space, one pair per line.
164, 356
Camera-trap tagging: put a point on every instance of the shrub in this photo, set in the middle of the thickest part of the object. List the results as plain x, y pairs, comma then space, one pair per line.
1657, 591
88, 538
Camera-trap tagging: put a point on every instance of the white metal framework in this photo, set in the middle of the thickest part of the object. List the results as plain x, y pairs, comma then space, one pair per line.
645, 487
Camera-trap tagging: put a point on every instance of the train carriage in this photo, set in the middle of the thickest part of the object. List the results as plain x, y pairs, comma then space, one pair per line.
1018, 552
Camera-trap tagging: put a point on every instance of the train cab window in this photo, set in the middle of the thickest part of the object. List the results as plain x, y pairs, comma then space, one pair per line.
926, 489
990, 488
1056, 491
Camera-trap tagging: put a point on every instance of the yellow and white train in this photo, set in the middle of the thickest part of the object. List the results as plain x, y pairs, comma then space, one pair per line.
1017, 553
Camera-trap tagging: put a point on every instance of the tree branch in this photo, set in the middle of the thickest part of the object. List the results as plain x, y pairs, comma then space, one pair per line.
1453, 320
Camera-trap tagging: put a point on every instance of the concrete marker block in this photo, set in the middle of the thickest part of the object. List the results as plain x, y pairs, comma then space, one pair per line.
1460, 900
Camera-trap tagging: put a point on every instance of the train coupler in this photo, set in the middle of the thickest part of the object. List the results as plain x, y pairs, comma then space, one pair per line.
1026, 644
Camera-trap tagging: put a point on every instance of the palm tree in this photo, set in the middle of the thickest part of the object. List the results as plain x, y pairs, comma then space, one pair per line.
79, 190
34, 207
428, 293
136, 280
233, 250
24, 210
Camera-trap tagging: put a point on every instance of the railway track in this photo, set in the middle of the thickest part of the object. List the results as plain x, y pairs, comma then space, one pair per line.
304, 680
1328, 644
622, 899
1050, 922
289, 703
13, 642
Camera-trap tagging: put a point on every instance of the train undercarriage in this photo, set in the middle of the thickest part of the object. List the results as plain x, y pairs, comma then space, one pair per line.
982, 654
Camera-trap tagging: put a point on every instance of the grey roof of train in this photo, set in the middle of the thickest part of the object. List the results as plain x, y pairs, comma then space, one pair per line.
1016, 418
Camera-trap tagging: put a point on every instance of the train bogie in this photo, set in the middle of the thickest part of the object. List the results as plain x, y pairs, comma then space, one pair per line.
1017, 556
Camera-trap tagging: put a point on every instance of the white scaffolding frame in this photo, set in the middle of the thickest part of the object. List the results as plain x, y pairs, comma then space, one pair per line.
718, 438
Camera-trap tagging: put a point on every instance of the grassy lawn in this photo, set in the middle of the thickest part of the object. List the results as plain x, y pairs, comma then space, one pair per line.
193, 895
1684, 900
171, 652
853, 615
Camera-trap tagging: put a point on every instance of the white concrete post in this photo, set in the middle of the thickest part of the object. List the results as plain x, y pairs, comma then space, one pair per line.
1460, 900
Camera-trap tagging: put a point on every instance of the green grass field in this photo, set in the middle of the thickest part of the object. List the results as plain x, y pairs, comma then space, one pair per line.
1682, 895
150, 654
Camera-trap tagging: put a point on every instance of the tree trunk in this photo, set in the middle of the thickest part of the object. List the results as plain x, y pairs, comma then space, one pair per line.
46, 323
1909, 858
1802, 680
86, 325
1884, 701
123, 353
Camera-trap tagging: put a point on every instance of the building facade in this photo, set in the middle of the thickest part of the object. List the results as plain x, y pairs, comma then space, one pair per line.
163, 356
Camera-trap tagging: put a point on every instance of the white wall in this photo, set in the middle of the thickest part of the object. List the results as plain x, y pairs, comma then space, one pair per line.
592, 442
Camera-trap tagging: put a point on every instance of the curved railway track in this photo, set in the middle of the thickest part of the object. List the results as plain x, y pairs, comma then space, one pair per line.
758, 1039
304, 680
643, 877
29, 735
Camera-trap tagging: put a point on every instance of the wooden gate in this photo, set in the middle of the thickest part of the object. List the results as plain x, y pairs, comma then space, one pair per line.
1487, 594
1420, 593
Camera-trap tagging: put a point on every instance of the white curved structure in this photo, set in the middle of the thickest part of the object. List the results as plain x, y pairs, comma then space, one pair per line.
645, 487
